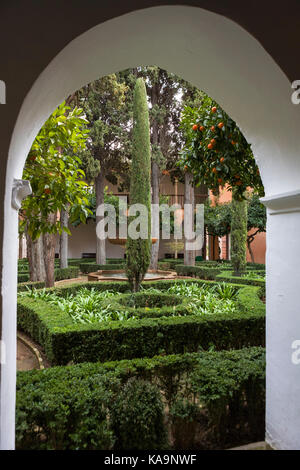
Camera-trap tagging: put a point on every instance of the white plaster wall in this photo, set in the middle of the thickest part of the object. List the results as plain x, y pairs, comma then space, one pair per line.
212, 53
283, 323
83, 240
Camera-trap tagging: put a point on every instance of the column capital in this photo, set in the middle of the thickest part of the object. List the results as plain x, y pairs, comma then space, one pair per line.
282, 203
20, 190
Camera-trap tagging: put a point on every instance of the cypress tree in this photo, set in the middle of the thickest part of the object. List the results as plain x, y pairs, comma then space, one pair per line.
138, 252
238, 235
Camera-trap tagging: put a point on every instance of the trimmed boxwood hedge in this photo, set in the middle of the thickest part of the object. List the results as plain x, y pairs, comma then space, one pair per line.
78, 261
23, 276
59, 273
202, 272
91, 267
227, 276
23, 286
65, 341
66, 273
211, 400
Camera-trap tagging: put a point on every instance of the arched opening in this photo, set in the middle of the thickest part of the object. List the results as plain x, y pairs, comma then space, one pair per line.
221, 58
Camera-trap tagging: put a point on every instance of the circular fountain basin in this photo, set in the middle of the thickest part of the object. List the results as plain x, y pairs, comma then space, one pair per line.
119, 275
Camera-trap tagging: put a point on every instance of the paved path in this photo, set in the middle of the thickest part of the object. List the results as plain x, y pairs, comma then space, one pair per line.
26, 360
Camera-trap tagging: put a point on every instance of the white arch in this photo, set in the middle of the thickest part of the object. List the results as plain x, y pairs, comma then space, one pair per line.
206, 49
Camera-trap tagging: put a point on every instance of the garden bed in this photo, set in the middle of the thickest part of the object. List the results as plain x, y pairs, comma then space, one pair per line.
172, 329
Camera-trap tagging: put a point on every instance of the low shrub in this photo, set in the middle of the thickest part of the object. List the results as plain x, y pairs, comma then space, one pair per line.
198, 271
66, 273
227, 276
91, 267
117, 405
23, 276
138, 417
24, 286
59, 274
169, 263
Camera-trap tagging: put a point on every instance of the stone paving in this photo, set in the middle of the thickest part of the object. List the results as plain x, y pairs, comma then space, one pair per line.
26, 360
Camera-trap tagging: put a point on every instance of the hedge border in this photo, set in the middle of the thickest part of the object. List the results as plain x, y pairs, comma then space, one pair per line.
59, 273
226, 276
91, 267
229, 386
64, 341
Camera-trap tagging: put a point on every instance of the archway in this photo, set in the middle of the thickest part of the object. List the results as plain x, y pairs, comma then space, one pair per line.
218, 56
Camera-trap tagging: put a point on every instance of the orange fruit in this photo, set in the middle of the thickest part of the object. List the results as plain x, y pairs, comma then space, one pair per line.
212, 128
222, 159
220, 180
47, 190
210, 146
214, 170
233, 142
202, 128
220, 125
213, 109
213, 141
195, 127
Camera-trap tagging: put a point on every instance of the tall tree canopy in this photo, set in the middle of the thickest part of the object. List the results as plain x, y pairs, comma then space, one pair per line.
57, 180
108, 144
138, 250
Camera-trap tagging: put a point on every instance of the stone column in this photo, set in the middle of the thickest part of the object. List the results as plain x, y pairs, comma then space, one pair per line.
283, 321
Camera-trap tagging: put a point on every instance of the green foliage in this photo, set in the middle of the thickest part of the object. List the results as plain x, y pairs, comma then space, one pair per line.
25, 286
203, 272
114, 406
109, 198
65, 273
254, 279
64, 341
64, 411
53, 170
86, 306
216, 152
257, 214
138, 417
109, 145
238, 235
59, 274
92, 267
217, 218
138, 251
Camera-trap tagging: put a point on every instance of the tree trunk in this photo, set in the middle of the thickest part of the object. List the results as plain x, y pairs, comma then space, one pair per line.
155, 200
189, 255
49, 253
100, 248
250, 250
63, 241
35, 255
21, 246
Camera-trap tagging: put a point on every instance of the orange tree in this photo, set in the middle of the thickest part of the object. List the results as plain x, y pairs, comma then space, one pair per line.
216, 152
57, 182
